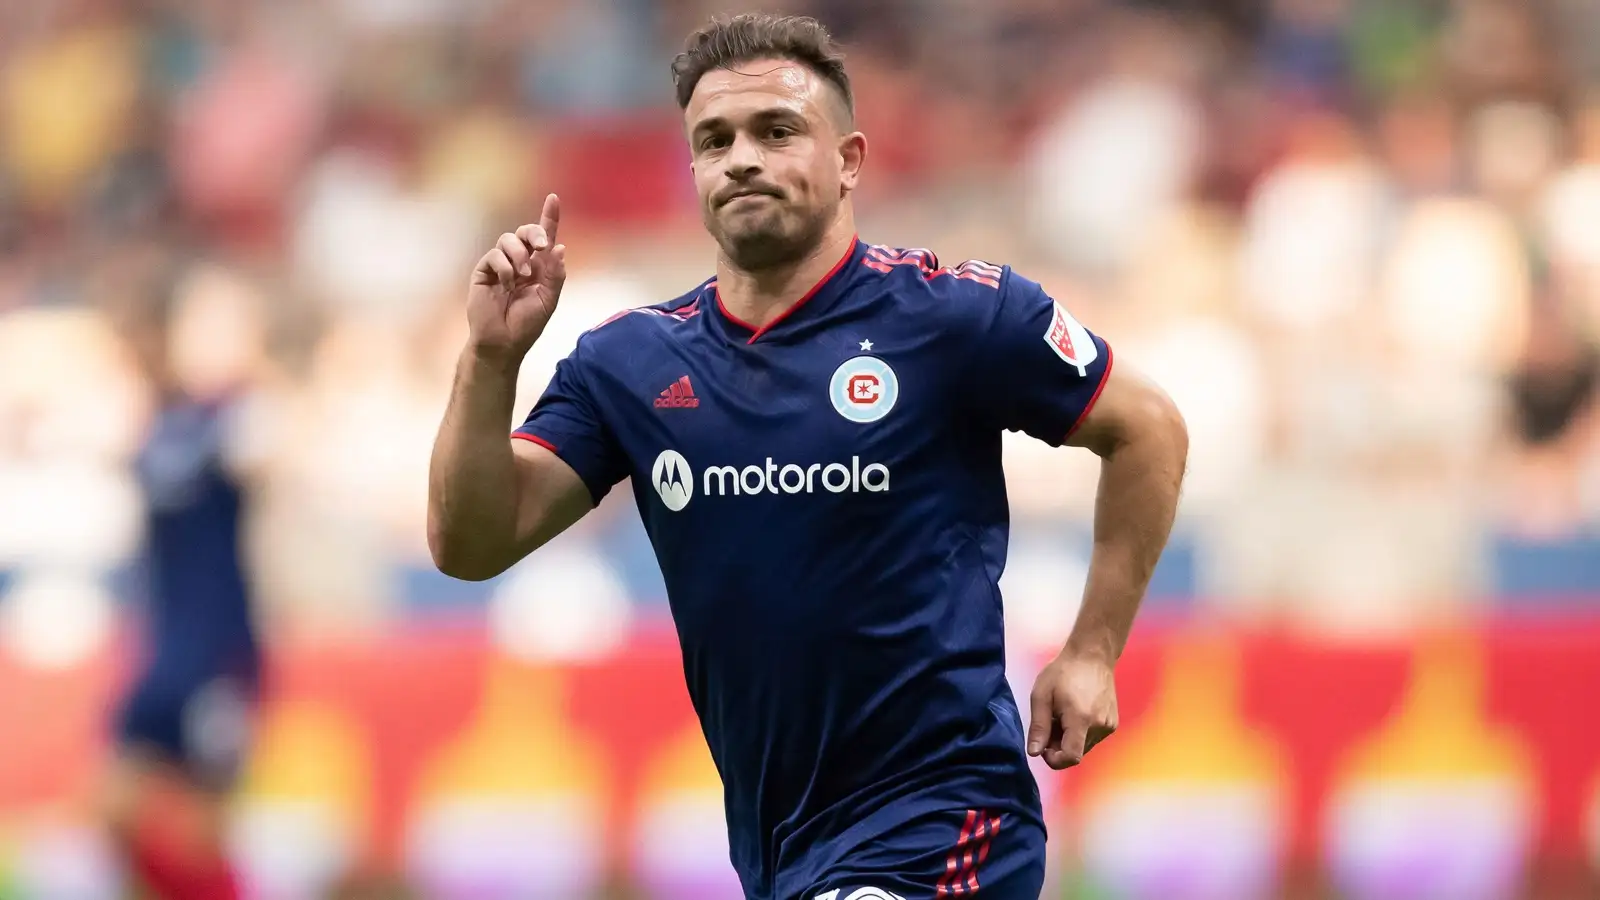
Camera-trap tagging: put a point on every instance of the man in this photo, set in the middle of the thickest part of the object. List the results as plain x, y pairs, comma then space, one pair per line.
183, 728
814, 440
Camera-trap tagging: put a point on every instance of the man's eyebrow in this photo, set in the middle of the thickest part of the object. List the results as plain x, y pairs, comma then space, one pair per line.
710, 124
762, 115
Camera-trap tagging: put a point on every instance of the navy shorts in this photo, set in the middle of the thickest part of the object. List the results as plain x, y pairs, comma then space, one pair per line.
197, 718
973, 854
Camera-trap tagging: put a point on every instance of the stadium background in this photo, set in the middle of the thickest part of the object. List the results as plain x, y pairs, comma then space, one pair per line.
1359, 240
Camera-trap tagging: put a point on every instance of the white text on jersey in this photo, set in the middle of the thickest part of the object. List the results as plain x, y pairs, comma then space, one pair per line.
835, 478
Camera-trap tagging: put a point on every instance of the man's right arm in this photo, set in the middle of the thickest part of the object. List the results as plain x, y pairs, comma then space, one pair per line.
489, 505
493, 500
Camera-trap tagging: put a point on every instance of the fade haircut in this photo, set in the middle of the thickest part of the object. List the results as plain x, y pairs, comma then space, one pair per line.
727, 42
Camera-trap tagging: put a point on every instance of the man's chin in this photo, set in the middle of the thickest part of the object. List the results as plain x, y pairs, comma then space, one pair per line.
753, 217
756, 248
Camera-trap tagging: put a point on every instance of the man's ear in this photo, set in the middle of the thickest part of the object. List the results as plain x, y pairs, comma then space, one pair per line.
852, 156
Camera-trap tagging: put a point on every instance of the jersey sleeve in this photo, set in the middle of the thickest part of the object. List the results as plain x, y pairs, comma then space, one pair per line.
566, 421
1037, 369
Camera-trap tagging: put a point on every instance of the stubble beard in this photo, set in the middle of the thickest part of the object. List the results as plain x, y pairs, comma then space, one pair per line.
767, 244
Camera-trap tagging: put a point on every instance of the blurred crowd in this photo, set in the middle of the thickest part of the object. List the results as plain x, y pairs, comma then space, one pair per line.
1358, 240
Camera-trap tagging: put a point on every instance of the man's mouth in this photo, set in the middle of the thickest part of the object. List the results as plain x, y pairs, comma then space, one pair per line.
741, 195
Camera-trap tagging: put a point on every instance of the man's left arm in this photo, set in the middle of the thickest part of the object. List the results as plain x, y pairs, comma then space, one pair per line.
1143, 443
1037, 370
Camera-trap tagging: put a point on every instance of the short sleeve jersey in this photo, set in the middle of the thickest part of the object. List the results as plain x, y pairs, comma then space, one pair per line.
200, 616
826, 501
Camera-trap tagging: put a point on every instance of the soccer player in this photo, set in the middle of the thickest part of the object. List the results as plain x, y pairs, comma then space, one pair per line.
814, 442
182, 729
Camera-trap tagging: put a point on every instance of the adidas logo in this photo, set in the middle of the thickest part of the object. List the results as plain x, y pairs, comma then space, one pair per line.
680, 395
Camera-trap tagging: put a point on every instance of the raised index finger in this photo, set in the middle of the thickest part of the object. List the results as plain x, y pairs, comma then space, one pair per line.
550, 218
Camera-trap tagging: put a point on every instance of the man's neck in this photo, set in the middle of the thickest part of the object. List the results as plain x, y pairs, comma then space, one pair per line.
758, 298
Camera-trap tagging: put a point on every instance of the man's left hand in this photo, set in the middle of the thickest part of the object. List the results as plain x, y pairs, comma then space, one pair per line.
1074, 707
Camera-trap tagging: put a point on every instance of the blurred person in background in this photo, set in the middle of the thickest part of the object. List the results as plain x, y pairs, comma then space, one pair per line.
1552, 390
843, 648
183, 728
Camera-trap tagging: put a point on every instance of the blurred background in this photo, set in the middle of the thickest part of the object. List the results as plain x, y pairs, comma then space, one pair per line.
1358, 241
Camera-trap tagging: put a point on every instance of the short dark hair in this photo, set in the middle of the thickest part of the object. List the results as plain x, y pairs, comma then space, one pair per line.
726, 42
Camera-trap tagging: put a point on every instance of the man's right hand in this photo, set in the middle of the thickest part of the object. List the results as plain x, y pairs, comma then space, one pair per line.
515, 288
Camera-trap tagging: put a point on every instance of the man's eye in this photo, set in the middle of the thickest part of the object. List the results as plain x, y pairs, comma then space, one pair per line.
779, 132
713, 142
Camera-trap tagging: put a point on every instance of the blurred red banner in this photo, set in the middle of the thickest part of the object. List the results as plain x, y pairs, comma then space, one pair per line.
435, 713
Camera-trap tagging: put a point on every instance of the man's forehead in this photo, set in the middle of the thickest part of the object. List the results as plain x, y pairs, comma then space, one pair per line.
767, 82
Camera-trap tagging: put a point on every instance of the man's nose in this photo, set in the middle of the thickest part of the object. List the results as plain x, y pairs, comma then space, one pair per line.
744, 159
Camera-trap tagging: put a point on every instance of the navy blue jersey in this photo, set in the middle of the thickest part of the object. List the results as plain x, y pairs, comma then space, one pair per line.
198, 598
826, 501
